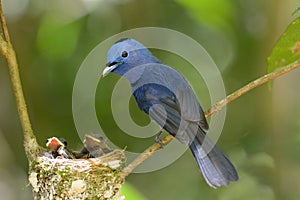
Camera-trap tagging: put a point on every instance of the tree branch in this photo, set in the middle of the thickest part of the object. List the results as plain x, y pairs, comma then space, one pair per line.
216, 108
4, 26
30, 144
258, 82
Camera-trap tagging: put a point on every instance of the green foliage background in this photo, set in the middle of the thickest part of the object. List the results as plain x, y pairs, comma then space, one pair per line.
261, 134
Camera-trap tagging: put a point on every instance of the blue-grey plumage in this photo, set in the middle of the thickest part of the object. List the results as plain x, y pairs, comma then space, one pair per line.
164, 94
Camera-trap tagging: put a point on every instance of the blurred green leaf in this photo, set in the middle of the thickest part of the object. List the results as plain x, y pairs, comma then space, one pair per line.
57, 38
216, 13
287, 49
247, 188
262, 159
131, 193
296, 11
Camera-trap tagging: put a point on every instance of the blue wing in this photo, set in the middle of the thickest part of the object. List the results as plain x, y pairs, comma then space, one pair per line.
162, 106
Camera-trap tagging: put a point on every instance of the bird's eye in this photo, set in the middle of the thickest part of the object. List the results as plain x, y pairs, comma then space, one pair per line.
124, 54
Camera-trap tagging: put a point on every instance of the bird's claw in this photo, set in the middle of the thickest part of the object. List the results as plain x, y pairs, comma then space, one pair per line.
158, 140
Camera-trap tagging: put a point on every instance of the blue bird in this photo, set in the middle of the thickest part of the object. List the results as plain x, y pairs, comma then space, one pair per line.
164, 94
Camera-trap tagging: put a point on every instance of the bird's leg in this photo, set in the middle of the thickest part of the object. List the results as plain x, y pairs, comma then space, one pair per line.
158, 140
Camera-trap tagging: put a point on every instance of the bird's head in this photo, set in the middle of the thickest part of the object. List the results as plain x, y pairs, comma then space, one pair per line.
126, 54
54, 143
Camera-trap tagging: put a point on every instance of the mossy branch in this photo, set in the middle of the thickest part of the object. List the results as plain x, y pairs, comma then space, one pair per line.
216, 108
50, 178
30, 144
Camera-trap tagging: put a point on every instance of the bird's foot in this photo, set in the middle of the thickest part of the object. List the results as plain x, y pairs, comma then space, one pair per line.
158, 140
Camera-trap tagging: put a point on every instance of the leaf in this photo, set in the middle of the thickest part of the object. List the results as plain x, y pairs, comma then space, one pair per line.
131, 193
57, 38
296, 11
287, 48
217, 13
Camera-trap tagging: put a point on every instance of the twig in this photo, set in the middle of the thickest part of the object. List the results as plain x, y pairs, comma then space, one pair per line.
4, 26
216, 108
144, 156
30, 144
258, 82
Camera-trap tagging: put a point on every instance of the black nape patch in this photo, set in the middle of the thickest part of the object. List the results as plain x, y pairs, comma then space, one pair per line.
121, 40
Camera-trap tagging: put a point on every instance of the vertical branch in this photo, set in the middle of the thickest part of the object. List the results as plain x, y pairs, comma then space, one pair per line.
30, 144
4, 26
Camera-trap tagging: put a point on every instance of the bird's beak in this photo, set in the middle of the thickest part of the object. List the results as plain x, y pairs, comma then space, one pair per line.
110, 67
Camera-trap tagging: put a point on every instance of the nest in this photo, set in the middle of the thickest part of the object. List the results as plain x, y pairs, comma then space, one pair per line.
62, 178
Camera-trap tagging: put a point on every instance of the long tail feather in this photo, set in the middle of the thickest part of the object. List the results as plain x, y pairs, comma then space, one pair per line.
215, 167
